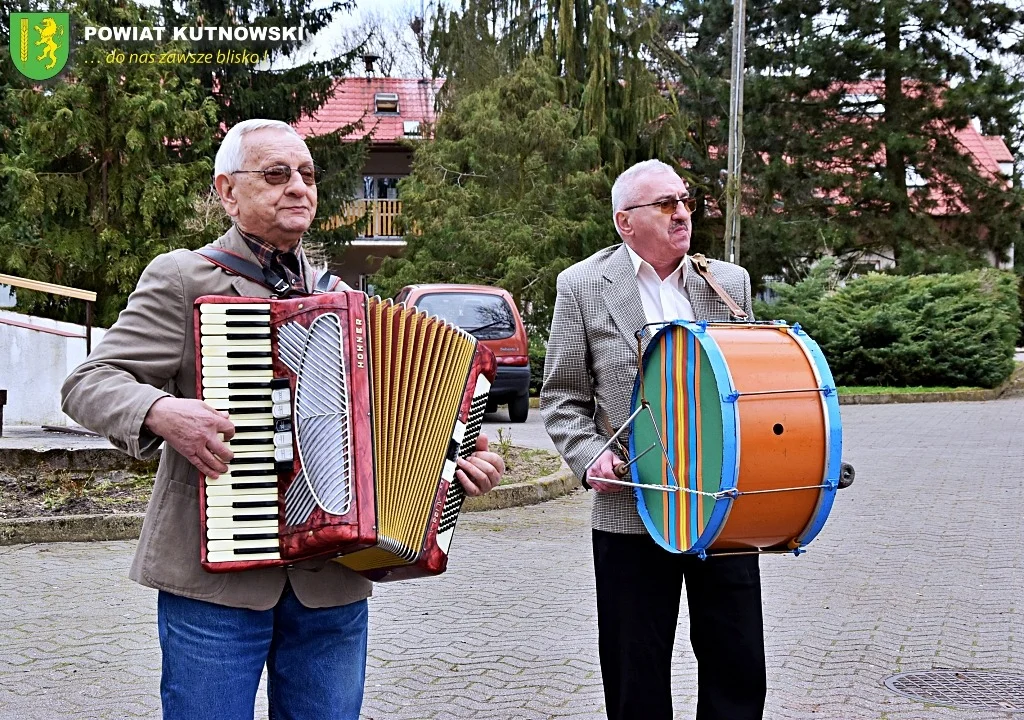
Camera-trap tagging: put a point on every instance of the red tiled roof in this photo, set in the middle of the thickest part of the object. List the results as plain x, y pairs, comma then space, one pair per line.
352, 99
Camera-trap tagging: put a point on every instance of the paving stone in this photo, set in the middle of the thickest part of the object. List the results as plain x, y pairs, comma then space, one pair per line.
919, 568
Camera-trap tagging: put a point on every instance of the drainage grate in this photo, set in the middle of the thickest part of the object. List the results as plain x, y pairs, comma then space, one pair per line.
969, 689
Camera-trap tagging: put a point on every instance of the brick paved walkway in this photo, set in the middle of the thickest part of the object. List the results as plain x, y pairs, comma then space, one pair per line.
919, 568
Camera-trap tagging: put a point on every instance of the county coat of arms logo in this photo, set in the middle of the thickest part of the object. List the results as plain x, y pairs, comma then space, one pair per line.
40, 43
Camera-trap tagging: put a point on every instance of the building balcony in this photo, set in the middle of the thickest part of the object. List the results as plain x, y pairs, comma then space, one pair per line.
374, 218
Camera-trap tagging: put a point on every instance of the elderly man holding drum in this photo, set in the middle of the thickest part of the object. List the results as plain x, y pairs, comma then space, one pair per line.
589, 377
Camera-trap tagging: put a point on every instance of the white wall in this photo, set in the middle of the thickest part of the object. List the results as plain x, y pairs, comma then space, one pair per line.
33, 365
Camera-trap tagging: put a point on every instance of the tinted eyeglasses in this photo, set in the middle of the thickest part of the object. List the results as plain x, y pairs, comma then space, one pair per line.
281, 174
668, 205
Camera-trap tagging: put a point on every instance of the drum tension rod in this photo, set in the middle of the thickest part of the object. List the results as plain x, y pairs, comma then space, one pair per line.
828, 390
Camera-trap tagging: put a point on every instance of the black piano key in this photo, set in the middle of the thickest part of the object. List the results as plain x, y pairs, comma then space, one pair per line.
280, 383
247, 336
253, 518
249, 473
238, 397
254, 551
251, 410
251, 460
262, 485
246, 442
255, 536
238, 367
243, 324
243, 504
249, 385
243, 354
247, 311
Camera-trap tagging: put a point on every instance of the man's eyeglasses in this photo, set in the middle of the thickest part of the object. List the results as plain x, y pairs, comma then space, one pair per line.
668, 205
281, 174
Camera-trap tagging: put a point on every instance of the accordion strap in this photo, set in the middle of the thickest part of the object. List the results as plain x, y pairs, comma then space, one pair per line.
700, 264
238, 265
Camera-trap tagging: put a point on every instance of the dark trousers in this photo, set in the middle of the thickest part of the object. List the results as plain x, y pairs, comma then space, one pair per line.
638, 591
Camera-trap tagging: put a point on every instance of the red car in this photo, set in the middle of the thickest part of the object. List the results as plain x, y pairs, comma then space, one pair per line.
490, 315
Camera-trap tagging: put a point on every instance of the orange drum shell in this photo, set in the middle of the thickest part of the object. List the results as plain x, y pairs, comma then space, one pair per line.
782, 438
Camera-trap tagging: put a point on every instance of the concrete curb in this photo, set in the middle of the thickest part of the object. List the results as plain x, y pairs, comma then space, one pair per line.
70, 528
127, 526
561, 482
890, 398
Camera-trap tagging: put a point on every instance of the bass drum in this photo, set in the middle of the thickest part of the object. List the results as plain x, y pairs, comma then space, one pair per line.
749, 417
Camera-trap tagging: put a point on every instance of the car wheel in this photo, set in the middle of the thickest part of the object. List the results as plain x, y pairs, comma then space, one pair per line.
519, 408
492, 406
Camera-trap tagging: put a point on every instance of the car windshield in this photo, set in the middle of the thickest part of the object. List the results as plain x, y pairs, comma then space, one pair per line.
488, 317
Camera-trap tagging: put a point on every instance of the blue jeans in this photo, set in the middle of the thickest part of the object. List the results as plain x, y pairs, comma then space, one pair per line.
213, 657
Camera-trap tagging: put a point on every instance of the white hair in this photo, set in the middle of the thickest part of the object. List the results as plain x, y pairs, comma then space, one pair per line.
232, 151
624, 189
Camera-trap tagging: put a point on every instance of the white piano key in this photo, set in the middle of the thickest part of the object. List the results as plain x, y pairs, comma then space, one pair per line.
227, 500
233, 545
230, 533
219, 557
227, 478
225, 523
225, 404
214, 321
234, 383
233, 491
211, 371
214, 393
247, 346
238, 514
222, 308
224, 361
254, 334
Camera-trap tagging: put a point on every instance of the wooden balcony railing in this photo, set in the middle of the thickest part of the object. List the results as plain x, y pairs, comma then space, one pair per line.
376, 218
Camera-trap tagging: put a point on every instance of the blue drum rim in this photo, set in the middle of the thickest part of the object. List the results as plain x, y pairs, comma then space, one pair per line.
730, 439
834, 446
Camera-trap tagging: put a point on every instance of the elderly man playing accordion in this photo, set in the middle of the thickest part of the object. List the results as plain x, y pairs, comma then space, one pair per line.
307, 623
588, 380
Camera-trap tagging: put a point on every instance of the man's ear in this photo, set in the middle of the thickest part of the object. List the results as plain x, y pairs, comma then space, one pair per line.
228, 194
622, 224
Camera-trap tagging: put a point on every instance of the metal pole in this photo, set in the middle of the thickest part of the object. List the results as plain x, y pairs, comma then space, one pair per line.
733, 184
88, 328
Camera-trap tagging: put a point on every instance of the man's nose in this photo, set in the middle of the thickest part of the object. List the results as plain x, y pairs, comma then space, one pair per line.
296, 185
681, 210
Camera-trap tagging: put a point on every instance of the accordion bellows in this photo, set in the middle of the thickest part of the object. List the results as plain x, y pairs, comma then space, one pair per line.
350, 413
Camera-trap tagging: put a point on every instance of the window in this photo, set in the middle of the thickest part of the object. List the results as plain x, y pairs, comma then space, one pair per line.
862, 102
385, 103
488, 317
411, 128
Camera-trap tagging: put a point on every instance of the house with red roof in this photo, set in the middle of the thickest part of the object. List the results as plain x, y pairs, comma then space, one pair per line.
393, 112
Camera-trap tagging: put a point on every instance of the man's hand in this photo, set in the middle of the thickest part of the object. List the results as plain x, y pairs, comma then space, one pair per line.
193, 428
481, 471
605, 468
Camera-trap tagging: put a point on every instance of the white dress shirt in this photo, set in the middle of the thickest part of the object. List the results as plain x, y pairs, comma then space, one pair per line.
663, 300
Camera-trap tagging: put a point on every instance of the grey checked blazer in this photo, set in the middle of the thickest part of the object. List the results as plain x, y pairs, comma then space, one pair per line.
148, 354
591, 358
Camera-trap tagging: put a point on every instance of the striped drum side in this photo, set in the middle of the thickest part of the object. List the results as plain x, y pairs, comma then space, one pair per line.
719, 440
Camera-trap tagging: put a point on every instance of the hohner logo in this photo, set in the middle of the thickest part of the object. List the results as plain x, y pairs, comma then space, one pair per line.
360, 344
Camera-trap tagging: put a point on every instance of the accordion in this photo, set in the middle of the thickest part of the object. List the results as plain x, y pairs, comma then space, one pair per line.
350, 413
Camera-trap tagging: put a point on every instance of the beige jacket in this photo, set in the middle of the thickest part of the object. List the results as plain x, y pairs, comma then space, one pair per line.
148, 354
592, 358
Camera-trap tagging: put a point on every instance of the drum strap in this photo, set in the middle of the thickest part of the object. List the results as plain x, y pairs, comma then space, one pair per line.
700, 264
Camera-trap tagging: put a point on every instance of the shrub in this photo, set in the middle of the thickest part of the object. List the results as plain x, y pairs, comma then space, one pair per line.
930, 330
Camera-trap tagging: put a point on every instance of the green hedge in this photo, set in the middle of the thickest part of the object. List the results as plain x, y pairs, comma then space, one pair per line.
929, 330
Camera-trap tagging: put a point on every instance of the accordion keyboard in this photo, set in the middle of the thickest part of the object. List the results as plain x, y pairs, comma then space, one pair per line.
242, 504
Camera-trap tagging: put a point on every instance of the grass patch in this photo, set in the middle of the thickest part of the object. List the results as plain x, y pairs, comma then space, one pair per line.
884, 390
